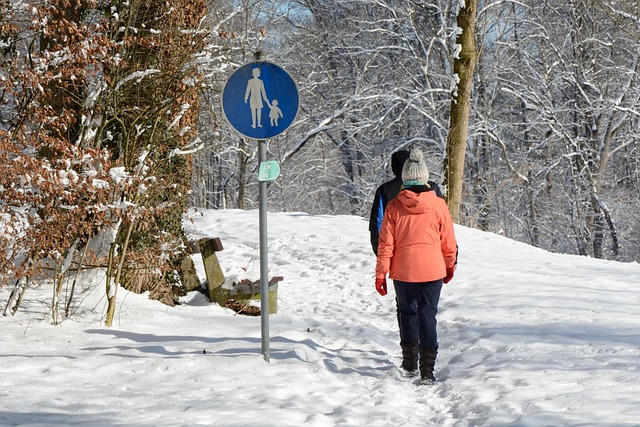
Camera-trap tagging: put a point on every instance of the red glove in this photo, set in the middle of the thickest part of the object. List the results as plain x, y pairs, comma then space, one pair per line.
449, 275
381, 286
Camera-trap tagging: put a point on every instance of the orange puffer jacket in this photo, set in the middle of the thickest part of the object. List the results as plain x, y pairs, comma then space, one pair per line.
417, 242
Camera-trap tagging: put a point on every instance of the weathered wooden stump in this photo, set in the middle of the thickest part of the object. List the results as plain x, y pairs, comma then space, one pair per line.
221, 290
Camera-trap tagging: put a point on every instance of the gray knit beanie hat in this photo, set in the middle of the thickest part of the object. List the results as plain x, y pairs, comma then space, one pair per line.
415, 169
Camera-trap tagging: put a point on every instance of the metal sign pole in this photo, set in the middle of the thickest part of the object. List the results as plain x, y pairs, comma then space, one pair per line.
264, 257
264, 248
244, 96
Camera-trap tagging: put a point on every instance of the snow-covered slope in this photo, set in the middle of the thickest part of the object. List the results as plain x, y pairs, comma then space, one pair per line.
527, 338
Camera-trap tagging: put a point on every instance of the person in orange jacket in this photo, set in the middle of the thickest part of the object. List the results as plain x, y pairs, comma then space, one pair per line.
417, 248
387, 192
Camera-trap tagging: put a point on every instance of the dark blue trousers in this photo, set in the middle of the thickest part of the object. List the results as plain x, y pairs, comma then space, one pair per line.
417, 307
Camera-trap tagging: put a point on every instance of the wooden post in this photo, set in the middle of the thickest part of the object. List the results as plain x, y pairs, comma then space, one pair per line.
212, 269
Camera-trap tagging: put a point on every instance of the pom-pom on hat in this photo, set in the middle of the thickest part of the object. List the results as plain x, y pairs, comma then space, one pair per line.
415, 169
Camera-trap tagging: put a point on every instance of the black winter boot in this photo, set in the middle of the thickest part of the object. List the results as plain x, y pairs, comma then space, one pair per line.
410, 358
427, 364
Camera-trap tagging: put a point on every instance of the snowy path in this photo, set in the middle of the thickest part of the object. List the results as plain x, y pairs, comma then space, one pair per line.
527, 338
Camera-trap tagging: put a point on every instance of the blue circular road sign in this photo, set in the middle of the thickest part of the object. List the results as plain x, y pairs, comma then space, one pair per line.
260, 100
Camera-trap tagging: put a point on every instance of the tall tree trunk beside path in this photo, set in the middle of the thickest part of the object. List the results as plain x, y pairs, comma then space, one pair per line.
465, 58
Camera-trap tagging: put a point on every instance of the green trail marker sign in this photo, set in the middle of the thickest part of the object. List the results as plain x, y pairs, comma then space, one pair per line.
269, 170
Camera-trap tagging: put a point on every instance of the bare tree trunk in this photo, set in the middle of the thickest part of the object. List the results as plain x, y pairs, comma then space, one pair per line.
243, 162
533, 228
67, 308
57, 288
112, 288
15, 298
463, 66
20, 286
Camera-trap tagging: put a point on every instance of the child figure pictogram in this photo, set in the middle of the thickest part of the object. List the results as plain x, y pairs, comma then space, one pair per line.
274, 112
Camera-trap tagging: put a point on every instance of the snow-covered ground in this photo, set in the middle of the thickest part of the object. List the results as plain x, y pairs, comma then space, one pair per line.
527, 338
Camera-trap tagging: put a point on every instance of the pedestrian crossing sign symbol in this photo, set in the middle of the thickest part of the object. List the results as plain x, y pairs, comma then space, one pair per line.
260, 100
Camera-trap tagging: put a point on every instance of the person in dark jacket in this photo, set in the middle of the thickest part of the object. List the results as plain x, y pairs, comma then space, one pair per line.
418, 250
387, 192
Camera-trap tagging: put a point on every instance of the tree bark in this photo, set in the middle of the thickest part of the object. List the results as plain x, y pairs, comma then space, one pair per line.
463, 67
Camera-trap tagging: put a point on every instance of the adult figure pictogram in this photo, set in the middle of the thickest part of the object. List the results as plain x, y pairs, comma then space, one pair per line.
255, 93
